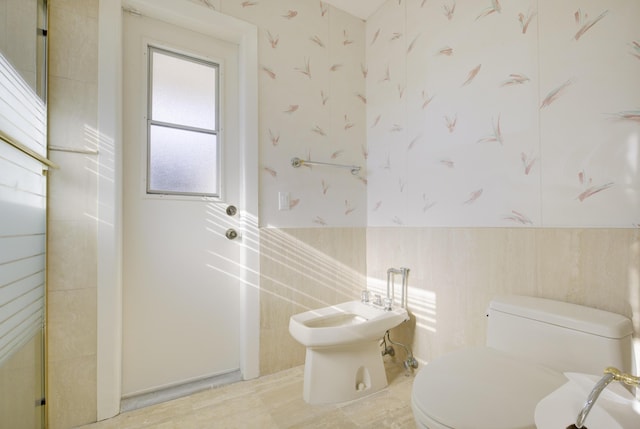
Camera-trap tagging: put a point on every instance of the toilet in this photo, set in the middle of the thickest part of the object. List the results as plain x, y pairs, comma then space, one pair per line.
530, 343
343, 361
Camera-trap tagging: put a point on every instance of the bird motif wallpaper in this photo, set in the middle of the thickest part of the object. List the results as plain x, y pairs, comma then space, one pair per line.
488, 113
504, 113
312, 106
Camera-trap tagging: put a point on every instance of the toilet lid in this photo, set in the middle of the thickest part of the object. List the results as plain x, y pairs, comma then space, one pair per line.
482, 388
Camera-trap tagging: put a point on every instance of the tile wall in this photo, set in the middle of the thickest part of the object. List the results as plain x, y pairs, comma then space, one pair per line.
456, 271
72, 254
304, 269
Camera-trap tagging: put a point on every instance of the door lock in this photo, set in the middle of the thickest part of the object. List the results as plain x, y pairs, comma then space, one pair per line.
232, 210
231, 234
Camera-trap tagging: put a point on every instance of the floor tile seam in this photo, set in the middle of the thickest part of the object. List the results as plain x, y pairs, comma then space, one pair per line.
253, 408
202, 403
280, 387
313, 417
152, 416
269, 379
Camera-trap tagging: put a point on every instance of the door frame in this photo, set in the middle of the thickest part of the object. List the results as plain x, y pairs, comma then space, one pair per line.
109, 248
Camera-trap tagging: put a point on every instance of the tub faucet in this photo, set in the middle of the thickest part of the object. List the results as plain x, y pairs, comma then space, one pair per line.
610, 374
391, 286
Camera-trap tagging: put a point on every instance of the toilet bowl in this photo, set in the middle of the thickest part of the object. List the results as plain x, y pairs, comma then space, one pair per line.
481, 388
531, 343
343, 359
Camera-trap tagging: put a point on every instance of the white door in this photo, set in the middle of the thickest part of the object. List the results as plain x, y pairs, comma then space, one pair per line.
181, 291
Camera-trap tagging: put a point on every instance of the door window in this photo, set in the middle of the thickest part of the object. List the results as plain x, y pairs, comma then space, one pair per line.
182, 125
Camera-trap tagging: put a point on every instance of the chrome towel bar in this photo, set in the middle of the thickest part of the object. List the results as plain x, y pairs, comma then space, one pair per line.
297, 162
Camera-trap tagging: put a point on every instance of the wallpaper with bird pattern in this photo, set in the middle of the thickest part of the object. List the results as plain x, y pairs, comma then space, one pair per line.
312, 106
504, 113
460, 112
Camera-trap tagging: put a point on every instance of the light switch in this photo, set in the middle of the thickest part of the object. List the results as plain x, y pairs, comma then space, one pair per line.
284, 201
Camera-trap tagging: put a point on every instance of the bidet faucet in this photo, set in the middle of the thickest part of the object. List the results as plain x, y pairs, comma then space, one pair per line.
377, 300
610, 374
391, 286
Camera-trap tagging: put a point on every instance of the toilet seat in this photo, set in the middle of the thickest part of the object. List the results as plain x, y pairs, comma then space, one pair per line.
481, 388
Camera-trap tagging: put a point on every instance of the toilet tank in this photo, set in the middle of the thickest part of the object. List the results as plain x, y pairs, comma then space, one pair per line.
563, 336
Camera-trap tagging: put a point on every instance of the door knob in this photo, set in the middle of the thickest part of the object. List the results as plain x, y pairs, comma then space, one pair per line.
231, 234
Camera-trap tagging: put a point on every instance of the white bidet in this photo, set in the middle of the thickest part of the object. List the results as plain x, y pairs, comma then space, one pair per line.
343, 359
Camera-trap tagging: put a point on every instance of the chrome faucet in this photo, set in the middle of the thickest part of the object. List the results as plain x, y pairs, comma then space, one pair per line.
377, 300
610, 374
591, 400
391, 286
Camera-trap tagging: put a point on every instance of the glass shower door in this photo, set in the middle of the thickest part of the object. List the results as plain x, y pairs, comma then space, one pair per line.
23, 203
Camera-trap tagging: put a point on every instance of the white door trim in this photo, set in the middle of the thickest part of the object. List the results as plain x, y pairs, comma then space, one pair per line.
109, 293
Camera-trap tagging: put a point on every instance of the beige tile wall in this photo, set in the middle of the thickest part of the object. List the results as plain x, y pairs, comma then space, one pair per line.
304, 269
456, 271
72, 255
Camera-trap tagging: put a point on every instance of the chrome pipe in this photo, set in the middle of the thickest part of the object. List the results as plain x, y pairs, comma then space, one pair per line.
391, 285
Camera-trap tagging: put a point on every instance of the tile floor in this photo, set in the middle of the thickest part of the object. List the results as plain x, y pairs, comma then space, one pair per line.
274, 402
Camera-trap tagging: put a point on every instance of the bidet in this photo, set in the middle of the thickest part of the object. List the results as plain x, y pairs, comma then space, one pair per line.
342, 360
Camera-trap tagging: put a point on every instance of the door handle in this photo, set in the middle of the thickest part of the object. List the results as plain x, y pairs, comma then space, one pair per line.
231, 234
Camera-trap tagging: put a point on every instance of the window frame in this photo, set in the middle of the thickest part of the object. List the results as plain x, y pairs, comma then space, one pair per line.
217, 132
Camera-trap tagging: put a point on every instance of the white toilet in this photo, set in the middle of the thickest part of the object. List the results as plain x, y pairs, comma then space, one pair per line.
530, 343
343, 360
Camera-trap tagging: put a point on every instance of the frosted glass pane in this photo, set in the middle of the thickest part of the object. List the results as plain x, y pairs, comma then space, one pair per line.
184, 91
182, 161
